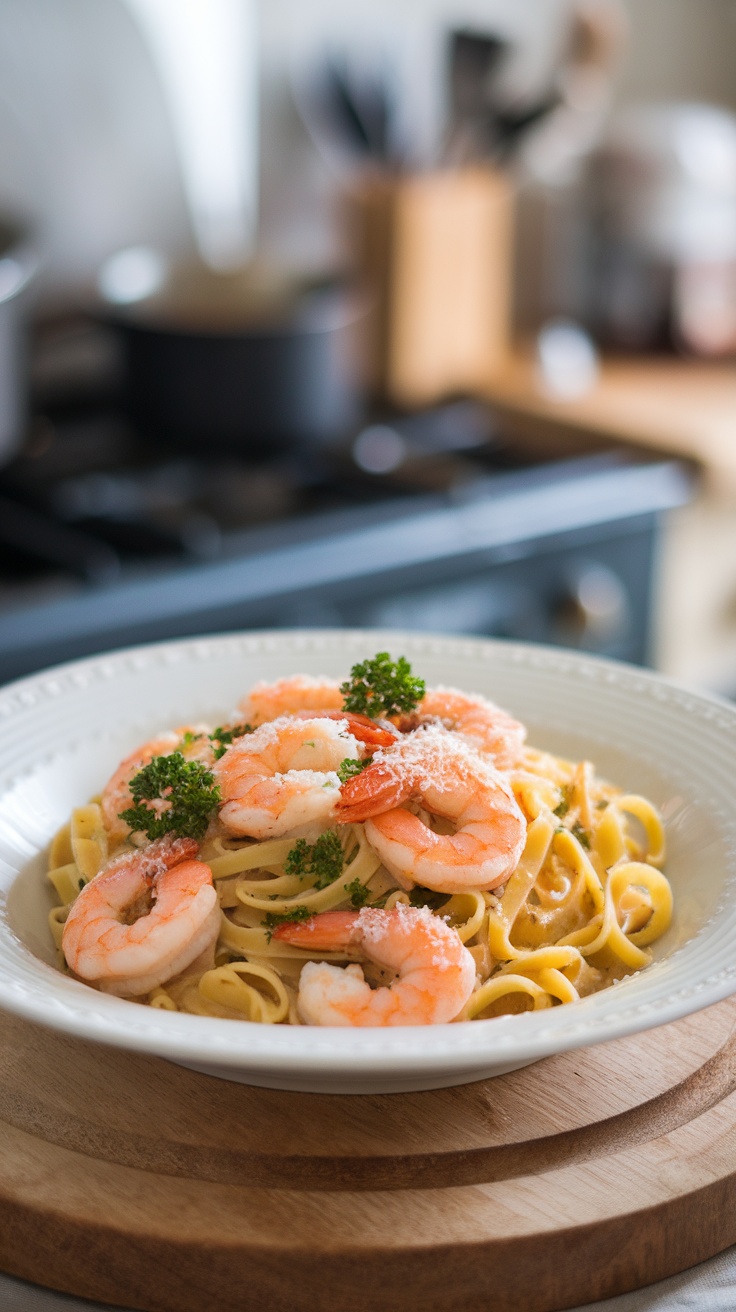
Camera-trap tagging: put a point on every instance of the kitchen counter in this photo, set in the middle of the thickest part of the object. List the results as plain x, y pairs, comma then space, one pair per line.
684, 408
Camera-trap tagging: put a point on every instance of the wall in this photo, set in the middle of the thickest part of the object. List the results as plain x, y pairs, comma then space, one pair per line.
681, 49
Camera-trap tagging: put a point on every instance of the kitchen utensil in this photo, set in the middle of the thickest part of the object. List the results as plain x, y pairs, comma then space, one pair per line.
364, 107
349, 112
474, 61
483, 123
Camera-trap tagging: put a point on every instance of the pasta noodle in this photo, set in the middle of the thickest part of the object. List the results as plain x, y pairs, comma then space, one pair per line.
579, 911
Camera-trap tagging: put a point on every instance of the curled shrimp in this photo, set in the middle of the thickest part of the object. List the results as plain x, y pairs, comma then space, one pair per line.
479, 721
436, 973
283, 775
307, 699
485, 726
116, 796
143, 919
299, 692
448, 779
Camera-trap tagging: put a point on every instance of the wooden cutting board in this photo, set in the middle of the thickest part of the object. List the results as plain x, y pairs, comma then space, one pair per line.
138, 1183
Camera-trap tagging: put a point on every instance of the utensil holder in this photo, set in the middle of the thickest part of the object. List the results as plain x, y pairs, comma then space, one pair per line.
434, 251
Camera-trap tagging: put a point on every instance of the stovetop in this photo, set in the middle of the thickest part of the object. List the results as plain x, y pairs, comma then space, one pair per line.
88, 501
434, 520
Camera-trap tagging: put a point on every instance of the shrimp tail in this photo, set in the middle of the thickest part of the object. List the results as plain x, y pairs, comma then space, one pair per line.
375, 790
323, 932
361, 726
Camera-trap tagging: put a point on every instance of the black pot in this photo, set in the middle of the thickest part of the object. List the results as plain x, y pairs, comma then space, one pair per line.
287, 375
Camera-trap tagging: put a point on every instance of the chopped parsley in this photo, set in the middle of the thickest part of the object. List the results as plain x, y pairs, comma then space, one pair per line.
189, 737
322, 861
427, 897
563, 808
581, 834
221, 738
382, 687
359, 894
273, 919
348, 768
171, 796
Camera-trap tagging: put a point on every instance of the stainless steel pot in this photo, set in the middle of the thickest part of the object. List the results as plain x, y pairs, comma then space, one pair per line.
18, 263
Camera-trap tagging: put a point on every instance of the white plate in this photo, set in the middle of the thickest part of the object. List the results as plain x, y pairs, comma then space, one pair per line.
62, 733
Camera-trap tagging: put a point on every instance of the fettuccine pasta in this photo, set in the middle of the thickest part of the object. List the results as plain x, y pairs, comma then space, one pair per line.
577, 906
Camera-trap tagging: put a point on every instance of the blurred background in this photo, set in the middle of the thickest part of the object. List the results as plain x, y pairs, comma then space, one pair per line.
417, 315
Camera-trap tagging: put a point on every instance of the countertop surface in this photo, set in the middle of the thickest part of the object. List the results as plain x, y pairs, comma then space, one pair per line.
683, 407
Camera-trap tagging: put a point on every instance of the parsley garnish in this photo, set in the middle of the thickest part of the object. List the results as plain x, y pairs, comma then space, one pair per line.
189, 737
562, 809
382, 687
322, 860
359, 894
221, 738
273, 919
581, 835
348, 768
427, 897
188, 790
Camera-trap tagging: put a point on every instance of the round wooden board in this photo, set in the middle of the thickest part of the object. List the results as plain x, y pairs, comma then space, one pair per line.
138, 1183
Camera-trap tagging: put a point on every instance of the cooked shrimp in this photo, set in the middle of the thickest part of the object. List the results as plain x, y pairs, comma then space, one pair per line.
143, 919
448, 779
283, 775
309, 699
481, 723
436, 973
116, 793
484, 725
300, 692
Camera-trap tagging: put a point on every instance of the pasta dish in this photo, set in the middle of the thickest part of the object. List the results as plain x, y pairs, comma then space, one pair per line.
364, 853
